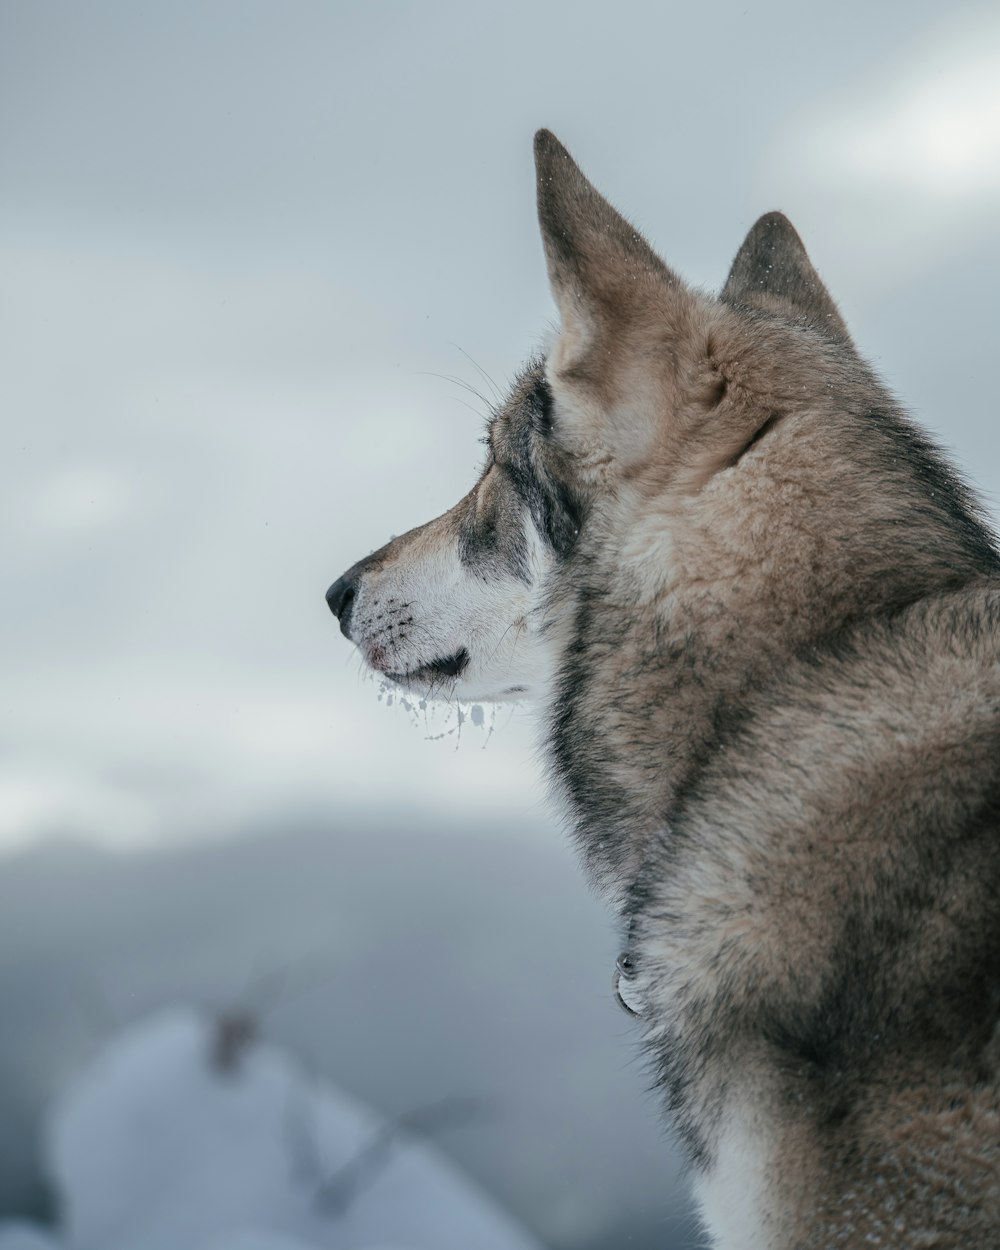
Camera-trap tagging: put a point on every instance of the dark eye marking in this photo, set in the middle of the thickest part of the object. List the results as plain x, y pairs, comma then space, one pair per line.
542, 407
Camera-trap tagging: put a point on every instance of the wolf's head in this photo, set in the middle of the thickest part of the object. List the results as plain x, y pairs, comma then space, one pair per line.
670, 448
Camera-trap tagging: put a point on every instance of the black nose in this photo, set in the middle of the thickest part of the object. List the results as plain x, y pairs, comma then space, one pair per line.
340, 600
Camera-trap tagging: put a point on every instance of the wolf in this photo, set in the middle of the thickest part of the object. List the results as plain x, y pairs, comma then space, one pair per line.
760, 616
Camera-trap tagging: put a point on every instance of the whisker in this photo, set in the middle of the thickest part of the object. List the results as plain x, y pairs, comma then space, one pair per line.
481, 371
466, 386
520, 630
519, 624
466, 404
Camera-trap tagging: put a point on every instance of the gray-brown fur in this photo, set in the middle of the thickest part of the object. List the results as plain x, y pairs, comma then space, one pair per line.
773, 613
772, 270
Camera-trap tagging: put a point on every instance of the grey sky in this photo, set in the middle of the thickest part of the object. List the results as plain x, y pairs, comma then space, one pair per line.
238, 242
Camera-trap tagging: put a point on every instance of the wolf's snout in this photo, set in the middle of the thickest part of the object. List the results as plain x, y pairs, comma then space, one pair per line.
340, 599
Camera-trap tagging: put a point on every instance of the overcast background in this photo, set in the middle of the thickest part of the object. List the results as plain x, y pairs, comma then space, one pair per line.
243, 248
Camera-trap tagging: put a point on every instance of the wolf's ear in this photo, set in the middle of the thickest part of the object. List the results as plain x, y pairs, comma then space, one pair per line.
772, 265
599, 265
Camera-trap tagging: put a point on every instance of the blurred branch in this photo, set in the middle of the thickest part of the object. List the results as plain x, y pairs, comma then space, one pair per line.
237, 1027
275, 987
335, 1195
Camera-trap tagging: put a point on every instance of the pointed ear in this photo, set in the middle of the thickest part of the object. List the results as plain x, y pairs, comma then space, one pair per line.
772, 265
599, 265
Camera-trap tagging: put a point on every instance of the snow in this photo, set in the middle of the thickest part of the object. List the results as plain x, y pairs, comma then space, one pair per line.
188, 1132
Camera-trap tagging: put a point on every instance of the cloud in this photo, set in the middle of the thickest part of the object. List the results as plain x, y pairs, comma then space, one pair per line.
930, 125
213, 450
43, 797
81, 498
128, 752
903, 163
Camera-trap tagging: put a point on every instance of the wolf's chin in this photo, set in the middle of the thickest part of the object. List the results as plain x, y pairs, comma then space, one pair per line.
433, 685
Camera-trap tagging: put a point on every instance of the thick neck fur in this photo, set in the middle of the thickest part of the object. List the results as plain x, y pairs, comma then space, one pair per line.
692, 597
